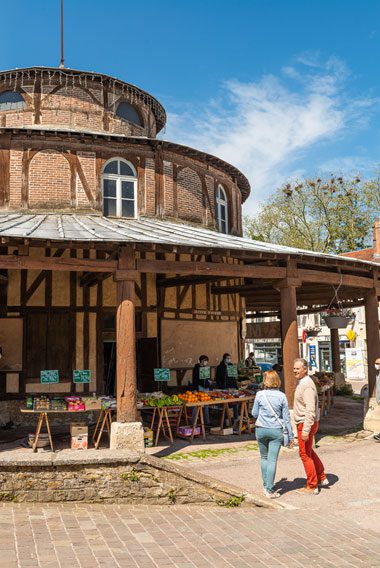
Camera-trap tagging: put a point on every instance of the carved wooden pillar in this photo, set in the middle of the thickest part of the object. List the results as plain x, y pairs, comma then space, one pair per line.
126, 388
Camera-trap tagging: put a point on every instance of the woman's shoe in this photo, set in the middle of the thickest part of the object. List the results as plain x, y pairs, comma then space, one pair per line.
271, 494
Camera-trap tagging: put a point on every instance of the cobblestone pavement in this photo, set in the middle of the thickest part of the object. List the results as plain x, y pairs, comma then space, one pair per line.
181, 537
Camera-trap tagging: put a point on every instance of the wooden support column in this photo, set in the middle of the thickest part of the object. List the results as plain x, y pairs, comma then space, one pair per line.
289, 327
126, 341
373, 338
335, 350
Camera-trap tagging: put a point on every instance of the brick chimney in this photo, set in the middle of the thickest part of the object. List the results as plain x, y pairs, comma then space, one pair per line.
376, 238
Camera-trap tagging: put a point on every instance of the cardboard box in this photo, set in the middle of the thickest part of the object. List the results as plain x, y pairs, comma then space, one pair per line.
222, 432
79, 442
78, 429
93, 403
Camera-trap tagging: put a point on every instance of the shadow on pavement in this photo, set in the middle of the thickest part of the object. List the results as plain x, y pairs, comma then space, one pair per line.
285, 485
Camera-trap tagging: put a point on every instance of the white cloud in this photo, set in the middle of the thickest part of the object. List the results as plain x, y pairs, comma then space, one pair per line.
266, 127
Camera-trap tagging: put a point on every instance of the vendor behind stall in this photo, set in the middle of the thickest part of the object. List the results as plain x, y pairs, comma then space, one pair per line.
223, 381
201, 384
250, 361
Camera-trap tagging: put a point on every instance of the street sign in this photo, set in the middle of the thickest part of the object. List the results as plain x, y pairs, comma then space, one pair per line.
161, 375
232, 371
81, 376
49, 377
204, 373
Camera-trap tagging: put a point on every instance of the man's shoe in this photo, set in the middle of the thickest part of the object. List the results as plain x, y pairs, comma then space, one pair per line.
324, 483
308, 490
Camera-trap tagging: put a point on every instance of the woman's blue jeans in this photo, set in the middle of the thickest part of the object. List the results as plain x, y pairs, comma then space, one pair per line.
270, 442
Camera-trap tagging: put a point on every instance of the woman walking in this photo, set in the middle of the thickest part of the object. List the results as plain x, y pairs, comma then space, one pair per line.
272, 421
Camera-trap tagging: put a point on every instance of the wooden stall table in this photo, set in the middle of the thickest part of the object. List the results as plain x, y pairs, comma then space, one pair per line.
104, 420
43, 417
161, 413
244, 412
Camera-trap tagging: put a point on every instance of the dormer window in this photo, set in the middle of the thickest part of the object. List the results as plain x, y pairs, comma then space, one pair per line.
119, 189
11, 100
126, 111
222, 210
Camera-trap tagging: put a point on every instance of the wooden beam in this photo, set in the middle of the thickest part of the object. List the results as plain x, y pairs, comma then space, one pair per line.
335, 279
52, 263
210, 269
183, 280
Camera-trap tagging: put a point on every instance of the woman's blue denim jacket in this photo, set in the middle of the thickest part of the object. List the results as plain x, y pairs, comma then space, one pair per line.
263, 412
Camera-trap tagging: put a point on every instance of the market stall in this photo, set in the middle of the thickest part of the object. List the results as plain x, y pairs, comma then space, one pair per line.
73, 406
325, 383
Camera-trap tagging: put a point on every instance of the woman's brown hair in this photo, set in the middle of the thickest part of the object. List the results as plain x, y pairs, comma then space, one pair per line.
271, 380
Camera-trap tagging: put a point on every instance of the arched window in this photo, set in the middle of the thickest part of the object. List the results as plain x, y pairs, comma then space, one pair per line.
128, 112
222, 210
119, 189
11, 100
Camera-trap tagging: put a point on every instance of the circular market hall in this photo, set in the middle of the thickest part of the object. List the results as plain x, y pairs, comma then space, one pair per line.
122, 255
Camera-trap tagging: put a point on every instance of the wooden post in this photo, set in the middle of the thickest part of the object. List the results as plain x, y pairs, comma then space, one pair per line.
126, 341
289, 333
335, 350
373, 339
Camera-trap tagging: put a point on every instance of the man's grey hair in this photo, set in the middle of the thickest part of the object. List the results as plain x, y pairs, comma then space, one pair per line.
301, 360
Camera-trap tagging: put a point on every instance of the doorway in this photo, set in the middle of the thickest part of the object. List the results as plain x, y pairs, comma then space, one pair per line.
109, 368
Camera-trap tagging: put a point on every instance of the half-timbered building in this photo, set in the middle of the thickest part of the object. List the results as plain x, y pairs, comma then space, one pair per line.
121, 252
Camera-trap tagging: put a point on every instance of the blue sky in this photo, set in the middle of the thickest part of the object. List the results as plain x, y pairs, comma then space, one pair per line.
279, 88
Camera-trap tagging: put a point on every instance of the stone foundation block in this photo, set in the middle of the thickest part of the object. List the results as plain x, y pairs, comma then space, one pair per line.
127, 436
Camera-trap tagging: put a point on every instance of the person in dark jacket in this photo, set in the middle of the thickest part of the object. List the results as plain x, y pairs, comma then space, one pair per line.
201, 385
197, 381
223, 381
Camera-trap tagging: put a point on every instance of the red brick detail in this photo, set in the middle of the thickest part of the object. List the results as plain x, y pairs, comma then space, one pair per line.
168, 189
15, 179
49, 180
150, 187
190, 199
87, 161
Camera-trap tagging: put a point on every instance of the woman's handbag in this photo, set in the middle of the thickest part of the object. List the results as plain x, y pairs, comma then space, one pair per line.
285, 433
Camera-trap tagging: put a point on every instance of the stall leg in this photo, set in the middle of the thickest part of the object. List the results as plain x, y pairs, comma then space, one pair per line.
159, 425
153, 418
168, 424
202, 422
49, 433
195, 422
223, 416
97, 425
104, 423
38, 430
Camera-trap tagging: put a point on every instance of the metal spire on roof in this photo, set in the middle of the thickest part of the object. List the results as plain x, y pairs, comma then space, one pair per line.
62, 62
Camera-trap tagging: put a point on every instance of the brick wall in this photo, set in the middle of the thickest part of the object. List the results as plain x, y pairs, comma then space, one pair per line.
150, 187
15, 179
49, 180
190, 199
87, 161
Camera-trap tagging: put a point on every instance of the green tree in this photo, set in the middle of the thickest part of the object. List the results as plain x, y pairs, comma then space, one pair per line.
332, 215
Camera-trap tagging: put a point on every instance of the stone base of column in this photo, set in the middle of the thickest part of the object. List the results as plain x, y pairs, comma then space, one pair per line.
127, 436
371, 415
339, 380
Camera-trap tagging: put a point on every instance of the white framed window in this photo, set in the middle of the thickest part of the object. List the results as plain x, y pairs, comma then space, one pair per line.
222, 210
119, 189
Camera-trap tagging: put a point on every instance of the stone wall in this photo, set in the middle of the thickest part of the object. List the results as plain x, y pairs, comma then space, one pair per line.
110, 476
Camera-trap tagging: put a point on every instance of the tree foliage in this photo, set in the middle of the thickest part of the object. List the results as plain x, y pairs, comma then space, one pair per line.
332, 215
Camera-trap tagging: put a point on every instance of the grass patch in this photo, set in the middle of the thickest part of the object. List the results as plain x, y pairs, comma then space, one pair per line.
130, 475
9, 497
231, 502
210, 453
172, 496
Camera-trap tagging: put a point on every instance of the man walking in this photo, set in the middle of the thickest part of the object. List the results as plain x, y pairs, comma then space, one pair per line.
306, 416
